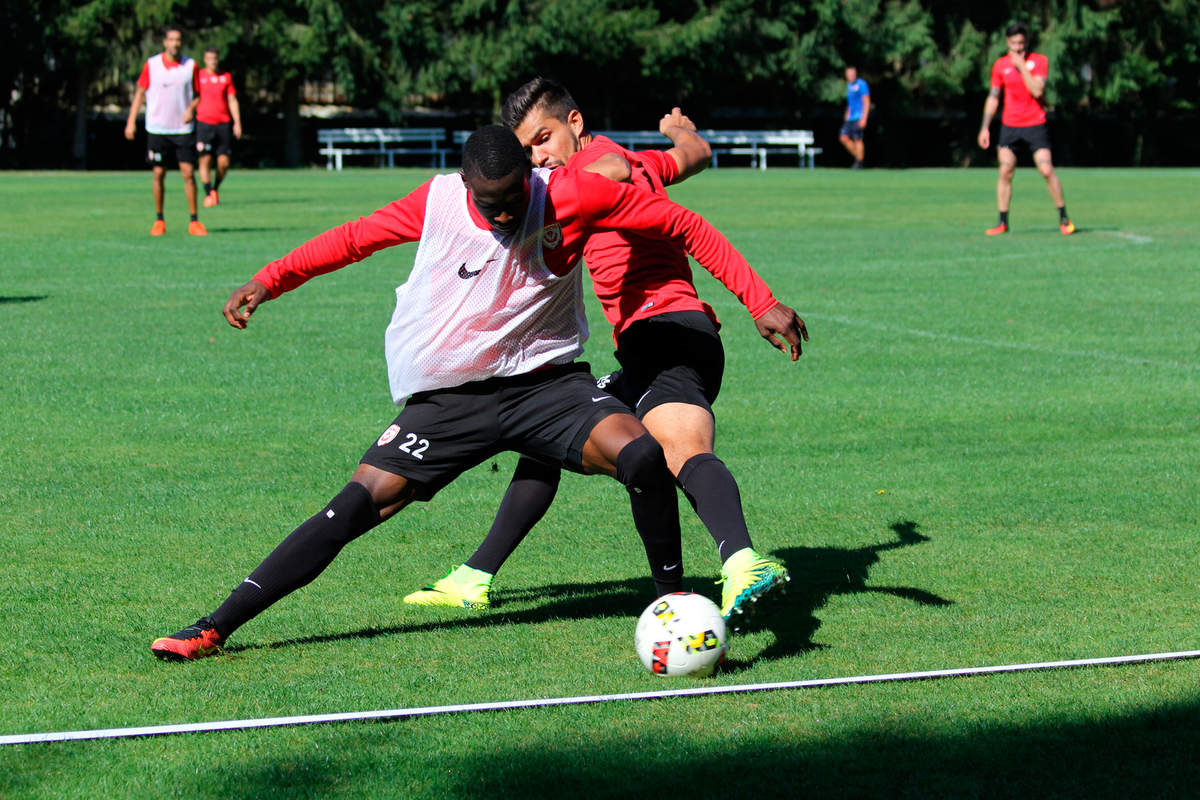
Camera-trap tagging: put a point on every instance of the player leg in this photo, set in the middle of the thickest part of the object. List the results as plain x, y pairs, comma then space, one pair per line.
370, 497
159, 179
526, 501
1008, 166
621, 447
1045, 164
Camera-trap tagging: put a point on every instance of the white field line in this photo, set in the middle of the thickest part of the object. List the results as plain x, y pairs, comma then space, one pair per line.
1136, 238
400, 713
971, 340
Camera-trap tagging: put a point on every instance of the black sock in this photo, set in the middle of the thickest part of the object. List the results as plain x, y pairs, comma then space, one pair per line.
526, 501
1062, 214
208, 187
195, 218
217, 182
1003, 217
158, 216
711, 489
642, 469
300, 557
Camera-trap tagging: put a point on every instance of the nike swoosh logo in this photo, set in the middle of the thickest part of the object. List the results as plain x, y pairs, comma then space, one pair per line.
467, 274
667, 567
598, 399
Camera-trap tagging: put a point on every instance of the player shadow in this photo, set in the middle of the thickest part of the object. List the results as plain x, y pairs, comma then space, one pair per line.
819, 573
24, 298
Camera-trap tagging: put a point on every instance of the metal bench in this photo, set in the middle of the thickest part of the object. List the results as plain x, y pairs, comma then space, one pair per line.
758, 145
387, 143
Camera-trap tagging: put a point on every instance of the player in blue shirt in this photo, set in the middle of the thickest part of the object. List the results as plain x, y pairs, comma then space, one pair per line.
858, 108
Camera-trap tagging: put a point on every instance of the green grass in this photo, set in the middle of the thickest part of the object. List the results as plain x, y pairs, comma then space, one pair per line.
988, 454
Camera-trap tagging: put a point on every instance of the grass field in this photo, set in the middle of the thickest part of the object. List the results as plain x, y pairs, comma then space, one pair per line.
988, 454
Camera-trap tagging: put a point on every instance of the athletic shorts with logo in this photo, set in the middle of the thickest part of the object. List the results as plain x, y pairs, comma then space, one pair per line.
676, 357
546, 415
1036, 137
170, 149
214, 139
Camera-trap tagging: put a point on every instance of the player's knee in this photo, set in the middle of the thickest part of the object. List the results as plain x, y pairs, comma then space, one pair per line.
642, 467
356, 509
696, 464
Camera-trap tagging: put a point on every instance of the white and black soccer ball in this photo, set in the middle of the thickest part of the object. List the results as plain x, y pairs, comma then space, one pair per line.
681, 634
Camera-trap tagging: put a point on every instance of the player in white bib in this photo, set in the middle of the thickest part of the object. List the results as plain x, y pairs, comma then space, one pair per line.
169, 86
481, 353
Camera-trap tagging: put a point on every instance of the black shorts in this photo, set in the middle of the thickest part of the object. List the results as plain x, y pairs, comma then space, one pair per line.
676, 357
1036, 137
546, 415
214, 139
166, 150
850, 129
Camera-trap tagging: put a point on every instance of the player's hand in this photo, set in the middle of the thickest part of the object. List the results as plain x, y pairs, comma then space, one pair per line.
130, 131
187, 115
675, 119
251, 296
785, 322
985, 138
862, 124
237, 130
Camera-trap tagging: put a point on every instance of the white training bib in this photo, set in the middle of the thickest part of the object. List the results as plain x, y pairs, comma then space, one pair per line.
478, 304
169, 96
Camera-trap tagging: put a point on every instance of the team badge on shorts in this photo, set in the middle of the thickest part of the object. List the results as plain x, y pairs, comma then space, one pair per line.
552, 236
387, 435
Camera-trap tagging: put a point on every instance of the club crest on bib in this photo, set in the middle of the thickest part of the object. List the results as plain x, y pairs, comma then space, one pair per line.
552, 236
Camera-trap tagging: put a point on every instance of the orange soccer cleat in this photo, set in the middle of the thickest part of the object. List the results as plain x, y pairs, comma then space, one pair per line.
212, 199
999, 229
1067, 227
194, 641
196, 228
159, 228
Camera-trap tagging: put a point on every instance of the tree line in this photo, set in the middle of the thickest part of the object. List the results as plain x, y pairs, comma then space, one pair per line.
1134, 64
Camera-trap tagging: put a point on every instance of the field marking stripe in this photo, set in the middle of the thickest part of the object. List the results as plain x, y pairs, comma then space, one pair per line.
972, 340
398, 713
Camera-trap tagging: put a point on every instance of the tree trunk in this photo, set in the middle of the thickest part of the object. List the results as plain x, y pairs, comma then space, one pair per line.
292, 151
79, 147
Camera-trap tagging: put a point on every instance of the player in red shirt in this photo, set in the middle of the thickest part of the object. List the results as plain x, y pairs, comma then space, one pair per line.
218, 123
1021, 77
519, 235
168, 85
667, 343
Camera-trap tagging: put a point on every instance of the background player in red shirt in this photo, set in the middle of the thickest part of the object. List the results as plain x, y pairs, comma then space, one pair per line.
168, 86
1021, 76
667, 343
218, 123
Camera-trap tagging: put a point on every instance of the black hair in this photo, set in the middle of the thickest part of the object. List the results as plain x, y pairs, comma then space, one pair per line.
1015, 28
212, 50
493, 152
545, 92
168, 28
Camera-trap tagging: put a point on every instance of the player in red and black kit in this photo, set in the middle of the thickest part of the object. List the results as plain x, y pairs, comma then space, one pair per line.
1021, 77
670, 352
481, 353
218, 123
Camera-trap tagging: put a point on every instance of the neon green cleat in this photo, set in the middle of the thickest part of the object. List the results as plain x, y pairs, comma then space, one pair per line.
463, 587
747, 576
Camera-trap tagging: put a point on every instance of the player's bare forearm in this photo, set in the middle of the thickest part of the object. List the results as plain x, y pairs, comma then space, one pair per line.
242, 303
691, 151
782, 327
131, 124
613, 167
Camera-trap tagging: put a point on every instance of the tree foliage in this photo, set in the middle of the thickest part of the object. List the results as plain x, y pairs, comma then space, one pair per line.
626, 60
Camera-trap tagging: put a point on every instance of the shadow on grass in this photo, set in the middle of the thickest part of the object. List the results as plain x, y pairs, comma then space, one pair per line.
817, 574
1137, 753
27, 298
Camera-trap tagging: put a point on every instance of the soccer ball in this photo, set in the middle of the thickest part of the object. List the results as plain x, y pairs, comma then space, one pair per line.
681, 634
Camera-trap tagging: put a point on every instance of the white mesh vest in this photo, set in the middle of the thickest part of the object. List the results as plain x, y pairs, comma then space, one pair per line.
169, 95
478, 305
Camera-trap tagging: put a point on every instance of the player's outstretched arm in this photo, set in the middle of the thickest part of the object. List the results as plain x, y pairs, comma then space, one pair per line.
613, 167
781, 321
243, 301
691, 152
